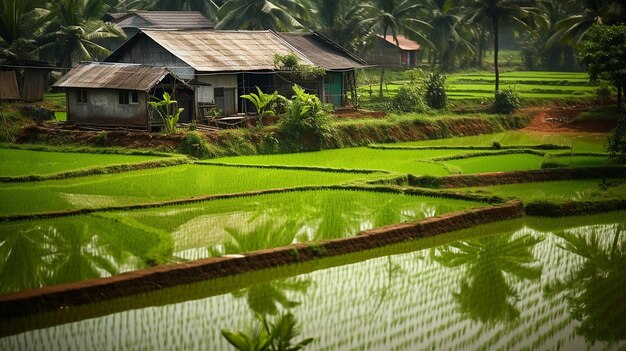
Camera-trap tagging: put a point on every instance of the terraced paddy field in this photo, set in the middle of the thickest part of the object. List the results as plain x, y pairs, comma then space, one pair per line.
152, 185
480, 85
524, 284
46, 252
17, 162
581, 142
565, 190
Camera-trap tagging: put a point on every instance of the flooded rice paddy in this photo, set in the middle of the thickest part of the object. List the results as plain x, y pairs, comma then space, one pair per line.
46, 252
525, 284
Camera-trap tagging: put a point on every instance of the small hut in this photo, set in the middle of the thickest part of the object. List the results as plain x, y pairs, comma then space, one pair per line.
389, 53
117, 94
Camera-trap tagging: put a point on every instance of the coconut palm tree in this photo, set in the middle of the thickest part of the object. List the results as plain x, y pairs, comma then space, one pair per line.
448, 35
485, 293
339, 20
280, 15
493, 11
21, 21
76, 29
394, 17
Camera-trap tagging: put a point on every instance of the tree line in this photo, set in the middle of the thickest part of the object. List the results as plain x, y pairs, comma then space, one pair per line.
453, 33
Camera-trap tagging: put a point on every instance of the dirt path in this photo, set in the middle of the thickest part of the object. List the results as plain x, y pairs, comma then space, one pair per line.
563, 120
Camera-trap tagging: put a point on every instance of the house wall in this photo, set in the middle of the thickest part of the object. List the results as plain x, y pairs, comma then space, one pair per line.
206, 93
147, 52
103, 107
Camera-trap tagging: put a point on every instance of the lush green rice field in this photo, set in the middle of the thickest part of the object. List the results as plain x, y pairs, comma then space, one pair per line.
580, 142
45, 252
25, 162
567, 190
538, 284
154, 185
404, 161
530, 84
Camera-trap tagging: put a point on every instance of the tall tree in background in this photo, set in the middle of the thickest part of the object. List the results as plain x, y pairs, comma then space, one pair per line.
75, 30
280, 15
493, 11
448, 35
339, 20
394, 17
20, 23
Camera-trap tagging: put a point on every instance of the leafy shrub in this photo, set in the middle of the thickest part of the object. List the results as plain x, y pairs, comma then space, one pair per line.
194, 145
307, 123
506, 101
550, 162
279, 105
435, 94
425, 181
604, 91
408, 99
496, 145
544, 209
617, 141
261, 102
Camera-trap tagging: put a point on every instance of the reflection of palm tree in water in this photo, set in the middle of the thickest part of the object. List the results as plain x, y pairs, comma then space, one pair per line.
595, 289
46, 255
265, 298
23, 263
485, 293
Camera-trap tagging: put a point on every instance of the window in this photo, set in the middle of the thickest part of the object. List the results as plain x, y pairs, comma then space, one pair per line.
81, 96
126, 97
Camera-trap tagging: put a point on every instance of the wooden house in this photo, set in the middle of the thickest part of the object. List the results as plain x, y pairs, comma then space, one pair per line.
223, 65
117, 94
389, 53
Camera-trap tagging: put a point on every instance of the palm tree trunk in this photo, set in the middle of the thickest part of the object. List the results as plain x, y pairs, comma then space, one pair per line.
382, 63
495, 51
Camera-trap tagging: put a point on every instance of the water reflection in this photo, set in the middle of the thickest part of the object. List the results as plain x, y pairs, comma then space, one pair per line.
434, 299
594, 290
485, 293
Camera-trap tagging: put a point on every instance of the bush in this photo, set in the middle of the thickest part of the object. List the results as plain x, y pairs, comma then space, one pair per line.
496, 145
408, 99
604, 91
506, 101
435, 94
307, 124
194, 145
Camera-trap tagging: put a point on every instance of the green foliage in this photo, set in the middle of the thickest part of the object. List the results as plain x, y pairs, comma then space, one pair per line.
496, 145
408, 99
605, 53
261, 102
102, 139
617, 141
551, 162
290, 65
506, 101
426, 181
435, 90
165, 109
194, 145
307, 124
265, 335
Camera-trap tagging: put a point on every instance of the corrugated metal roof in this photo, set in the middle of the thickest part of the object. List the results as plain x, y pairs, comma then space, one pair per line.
224, 51
97, 75
404, 43
321, 51
171, 19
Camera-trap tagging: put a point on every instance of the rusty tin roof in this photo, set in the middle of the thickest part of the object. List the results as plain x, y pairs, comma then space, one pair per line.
224, 51
404, 43
322, 51
123, 76
169, 19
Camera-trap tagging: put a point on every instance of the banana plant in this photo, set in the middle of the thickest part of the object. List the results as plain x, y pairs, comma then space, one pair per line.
165, 109
260, 102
